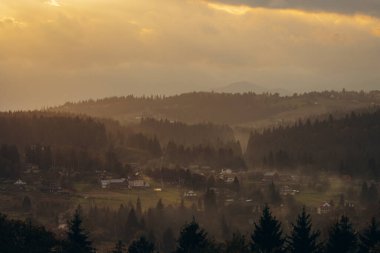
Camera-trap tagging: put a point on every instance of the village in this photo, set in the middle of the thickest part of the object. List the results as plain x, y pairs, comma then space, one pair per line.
245, 190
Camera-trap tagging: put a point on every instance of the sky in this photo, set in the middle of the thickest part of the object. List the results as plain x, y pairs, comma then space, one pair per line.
69, 50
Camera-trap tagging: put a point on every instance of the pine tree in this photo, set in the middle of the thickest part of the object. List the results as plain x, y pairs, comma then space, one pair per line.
370, 237
342, 237
302, 238
142, 245
236, 185
237, 244
77, 238
192, 239
267, 236
160, 205
119, 247
132, 225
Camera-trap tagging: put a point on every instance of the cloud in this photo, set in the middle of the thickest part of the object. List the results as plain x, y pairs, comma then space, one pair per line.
53, 3
101, 48
350, 7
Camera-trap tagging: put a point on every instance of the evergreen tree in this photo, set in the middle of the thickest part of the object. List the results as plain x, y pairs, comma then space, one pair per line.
267, 236
160, 205
237, 244
342, 237
370, 237
302, 238
142, 245
77, 238
192, 239
119, 247
132, 225
236, 185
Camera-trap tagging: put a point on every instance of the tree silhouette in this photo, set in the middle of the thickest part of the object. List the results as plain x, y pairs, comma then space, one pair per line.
237, 244
77, 238
267, 236
302, 238
142, 245
370, 238
342, 237
192, 239
119, 247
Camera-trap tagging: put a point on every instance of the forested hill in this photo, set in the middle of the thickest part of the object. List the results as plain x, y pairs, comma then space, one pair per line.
185, 134
349, 145
24, 128
223, 108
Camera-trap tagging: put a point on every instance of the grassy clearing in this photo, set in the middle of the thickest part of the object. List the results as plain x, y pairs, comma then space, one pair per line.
315, 198
114, 198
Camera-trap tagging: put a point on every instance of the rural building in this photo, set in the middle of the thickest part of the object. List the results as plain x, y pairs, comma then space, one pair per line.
190, 194
108, 183
138, 183
19, 182
324, 208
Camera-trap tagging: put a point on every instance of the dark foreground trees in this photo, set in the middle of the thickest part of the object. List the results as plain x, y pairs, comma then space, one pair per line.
142, 245
370, 238
77, 238
342, 237
267, 236
302, 238
193, 239
20, 237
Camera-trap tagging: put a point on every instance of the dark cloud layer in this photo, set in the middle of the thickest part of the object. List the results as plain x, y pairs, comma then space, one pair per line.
366, 7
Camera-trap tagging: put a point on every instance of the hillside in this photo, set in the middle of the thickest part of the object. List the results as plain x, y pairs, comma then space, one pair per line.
234, 109
349, 145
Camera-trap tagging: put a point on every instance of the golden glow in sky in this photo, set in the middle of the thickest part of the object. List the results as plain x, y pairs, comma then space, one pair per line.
60, 50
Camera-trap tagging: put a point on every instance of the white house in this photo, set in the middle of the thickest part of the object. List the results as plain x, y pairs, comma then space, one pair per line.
20, 182
106, 183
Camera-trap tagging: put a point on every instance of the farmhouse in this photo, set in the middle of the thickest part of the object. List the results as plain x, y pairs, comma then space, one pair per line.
324, 208
137, 183
108, 183
19, 182
190, 194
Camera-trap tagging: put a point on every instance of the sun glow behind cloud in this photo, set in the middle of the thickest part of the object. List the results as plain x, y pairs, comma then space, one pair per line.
371, 24
53, 3
114, 47
231, 9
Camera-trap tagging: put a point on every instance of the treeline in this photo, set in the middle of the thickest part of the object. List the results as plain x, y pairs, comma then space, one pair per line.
349, 145
223, 108
189, 179
224, 155
23, 128
57, 142
185, 134
267, 236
